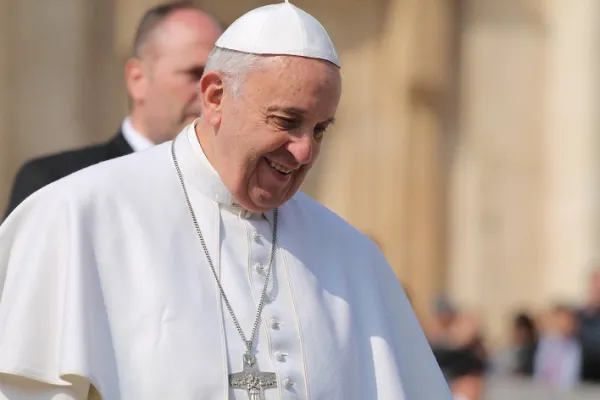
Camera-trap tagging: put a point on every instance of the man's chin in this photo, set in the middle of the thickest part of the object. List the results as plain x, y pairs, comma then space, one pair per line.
265, 200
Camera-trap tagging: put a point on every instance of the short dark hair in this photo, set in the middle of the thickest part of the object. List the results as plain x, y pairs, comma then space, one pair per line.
153, 18
525, 322
459, 362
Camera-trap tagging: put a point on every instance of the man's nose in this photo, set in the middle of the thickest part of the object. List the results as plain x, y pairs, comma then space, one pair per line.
302, 148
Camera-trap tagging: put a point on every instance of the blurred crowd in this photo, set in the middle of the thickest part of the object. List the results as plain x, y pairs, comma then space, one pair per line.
558, 347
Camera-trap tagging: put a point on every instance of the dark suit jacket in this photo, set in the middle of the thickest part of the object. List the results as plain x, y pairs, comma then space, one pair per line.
589, 336
42, 171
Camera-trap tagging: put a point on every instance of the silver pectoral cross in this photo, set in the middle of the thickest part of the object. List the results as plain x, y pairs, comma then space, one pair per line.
252, 380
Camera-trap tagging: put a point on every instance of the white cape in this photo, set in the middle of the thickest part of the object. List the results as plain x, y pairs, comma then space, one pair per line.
102, 277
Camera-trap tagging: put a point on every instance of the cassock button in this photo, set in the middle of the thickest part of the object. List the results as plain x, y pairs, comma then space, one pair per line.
289, 383
275, 324
279, 356
260, 269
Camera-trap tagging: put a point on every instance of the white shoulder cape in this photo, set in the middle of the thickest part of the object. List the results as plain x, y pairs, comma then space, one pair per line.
101, 278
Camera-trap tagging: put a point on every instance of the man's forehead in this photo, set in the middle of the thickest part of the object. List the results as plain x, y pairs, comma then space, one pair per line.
186, 26
295, 86
194, 18
292, 72
303, 63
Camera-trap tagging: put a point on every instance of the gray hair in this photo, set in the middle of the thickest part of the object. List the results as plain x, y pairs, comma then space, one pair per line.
234, 66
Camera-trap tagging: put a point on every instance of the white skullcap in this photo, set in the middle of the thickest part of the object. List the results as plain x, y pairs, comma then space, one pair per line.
279, 29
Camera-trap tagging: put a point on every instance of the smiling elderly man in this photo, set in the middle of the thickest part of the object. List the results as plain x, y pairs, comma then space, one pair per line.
195, 270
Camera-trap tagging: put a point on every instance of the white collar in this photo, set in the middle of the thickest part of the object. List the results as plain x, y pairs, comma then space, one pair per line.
136, 140
200, 174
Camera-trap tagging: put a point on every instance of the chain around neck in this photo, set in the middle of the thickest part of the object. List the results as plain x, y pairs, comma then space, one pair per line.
248, 343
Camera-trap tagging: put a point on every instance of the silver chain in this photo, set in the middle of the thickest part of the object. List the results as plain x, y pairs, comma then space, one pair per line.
249, 343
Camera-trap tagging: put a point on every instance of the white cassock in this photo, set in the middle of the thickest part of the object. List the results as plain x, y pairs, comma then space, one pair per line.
103, 281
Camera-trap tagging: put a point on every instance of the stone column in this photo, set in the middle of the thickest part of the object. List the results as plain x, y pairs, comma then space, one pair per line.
47, 50
389, 140
360, 172
381, 168
104, 100
495, 229
429, 99
5, 103
571, 147
425, 198
43, 74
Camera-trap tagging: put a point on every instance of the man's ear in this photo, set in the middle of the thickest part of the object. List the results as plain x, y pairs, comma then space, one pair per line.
135, 79
212, 92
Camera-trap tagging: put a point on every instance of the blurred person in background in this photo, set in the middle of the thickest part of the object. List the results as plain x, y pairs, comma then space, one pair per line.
451, 329
590, 331
518, 358
439, 332
457, 345
468, 335
558, 357
171, 46
462, 359
464, 371
525, 342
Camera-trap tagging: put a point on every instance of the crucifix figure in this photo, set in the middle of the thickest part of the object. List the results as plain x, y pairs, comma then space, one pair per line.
252, 380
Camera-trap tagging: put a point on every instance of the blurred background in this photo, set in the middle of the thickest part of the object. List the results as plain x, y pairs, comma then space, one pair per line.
467, 146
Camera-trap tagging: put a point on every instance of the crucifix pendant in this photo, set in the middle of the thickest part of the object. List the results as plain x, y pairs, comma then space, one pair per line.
252, 380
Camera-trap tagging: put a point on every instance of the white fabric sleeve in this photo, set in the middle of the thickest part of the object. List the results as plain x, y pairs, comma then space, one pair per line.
13, 387
403, 339
53, 322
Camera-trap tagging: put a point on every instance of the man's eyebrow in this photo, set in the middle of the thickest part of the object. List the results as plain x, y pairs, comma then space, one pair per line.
288, 110
296, 112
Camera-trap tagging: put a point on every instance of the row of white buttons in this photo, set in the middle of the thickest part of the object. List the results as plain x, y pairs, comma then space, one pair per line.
275, 325
281, 356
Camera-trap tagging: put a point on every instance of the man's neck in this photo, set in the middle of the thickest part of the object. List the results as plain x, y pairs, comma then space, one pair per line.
146, 128
140, 127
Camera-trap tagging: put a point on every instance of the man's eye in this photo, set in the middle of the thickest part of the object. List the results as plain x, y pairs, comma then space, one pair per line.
287, 124
319, 132
196, 73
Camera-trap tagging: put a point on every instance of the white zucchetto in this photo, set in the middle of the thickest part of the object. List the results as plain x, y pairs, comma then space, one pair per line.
279, 29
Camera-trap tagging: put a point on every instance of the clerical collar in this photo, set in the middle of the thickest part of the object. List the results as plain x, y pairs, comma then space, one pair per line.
136, 140
197, 147
199, 173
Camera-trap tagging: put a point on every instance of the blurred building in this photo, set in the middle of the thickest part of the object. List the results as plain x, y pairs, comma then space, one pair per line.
467, 143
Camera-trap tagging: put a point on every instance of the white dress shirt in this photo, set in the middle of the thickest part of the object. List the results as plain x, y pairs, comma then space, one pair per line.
136, 140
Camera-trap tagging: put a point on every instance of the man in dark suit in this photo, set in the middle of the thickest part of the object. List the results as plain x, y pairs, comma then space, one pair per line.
589, 331
171, 47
